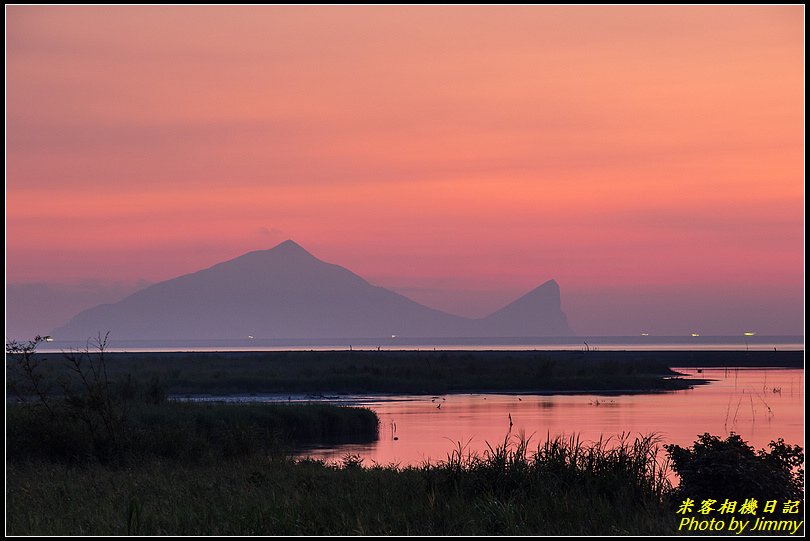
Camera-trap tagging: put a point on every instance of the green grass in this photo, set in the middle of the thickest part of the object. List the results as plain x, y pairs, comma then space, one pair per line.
565, 488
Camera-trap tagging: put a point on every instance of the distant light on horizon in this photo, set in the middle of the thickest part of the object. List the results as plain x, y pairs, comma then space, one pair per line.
749, 334
695, 334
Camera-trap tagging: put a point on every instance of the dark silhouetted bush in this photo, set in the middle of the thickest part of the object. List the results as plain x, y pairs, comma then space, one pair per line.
719, 469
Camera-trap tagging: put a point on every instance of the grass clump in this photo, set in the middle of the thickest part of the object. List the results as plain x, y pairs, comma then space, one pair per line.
565, 487
190, 432
92, 413
618, 486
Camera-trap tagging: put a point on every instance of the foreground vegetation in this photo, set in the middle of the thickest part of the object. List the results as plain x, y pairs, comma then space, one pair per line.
97, 451
565, 487
188, 432
90, 412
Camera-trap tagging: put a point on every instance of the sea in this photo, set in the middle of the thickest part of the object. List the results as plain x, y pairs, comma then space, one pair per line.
397, 343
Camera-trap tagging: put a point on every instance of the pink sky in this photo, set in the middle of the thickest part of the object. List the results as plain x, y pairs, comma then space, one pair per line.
650, 159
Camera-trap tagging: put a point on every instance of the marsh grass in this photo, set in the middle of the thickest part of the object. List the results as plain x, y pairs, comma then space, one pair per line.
211, 469
563, 487
637, 468
83, 409
412, 372
190, 432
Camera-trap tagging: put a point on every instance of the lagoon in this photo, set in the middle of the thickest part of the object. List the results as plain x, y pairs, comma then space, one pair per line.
759, 404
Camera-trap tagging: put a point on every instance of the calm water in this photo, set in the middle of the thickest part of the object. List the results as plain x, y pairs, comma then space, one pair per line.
758, 404
612, 343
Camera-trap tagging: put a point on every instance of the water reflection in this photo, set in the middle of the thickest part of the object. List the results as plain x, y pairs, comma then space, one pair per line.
760, 405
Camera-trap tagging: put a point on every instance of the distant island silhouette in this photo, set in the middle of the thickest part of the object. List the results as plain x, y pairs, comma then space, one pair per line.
286, 292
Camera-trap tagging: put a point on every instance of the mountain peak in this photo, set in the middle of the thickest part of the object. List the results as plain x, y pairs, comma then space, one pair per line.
288, 246
549, 287
288, 250
537, 312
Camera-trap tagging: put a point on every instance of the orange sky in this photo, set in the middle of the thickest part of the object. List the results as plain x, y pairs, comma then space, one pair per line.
645, 157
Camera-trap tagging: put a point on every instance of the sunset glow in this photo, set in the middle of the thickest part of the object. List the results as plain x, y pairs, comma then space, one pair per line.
649, 159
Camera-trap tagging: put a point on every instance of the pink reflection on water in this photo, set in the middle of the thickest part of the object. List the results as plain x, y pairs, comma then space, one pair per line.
759, 404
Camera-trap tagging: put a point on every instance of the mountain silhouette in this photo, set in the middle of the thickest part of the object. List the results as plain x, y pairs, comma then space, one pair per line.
538, 311
286, 292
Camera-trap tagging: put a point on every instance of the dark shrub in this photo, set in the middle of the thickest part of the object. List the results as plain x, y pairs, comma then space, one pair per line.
719, 469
